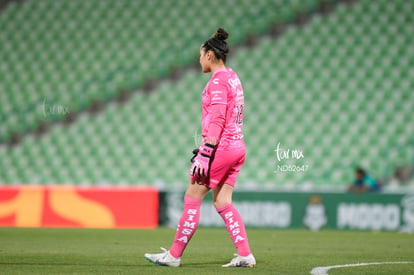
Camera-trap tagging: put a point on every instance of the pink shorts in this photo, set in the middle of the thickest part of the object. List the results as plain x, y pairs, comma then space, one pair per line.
224, 168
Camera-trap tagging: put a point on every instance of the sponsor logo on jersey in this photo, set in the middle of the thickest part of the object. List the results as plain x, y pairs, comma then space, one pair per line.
234, 82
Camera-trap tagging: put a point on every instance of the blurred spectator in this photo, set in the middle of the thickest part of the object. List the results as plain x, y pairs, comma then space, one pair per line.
363, 183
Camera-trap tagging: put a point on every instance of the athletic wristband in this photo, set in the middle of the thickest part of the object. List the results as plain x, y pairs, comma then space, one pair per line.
207, 150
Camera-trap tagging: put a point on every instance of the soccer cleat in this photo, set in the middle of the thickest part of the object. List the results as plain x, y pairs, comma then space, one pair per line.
164, 258
240, 261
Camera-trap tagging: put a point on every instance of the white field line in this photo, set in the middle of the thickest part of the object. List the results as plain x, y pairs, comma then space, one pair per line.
323, 270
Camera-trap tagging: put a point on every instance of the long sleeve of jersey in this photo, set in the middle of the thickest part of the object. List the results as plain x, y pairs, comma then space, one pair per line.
218, 119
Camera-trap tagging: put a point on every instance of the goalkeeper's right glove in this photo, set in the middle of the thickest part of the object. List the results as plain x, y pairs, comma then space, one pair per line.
195, 152
201, 165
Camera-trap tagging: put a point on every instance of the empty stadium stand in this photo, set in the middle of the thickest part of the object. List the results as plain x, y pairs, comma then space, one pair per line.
339, 89
74, 53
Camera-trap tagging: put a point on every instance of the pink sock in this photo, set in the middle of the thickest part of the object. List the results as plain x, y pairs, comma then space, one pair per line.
186, 226
235, 227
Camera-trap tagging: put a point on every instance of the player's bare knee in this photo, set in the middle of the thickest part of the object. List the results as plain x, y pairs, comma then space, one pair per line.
196, 190
221, 202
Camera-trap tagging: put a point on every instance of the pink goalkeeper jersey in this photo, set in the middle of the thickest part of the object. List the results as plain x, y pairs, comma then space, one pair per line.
224, 87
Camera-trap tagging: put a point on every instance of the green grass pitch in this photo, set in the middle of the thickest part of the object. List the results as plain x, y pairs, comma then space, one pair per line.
113, 251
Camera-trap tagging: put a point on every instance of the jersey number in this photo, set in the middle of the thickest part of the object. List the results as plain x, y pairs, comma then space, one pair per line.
240, 114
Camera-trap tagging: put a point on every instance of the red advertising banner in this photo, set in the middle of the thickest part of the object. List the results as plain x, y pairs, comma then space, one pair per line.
71, 206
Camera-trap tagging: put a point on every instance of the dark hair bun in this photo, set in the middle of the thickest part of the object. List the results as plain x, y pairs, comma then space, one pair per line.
218, 44
221, 34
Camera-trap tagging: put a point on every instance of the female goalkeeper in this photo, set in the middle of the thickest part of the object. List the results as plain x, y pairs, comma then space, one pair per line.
218, 160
